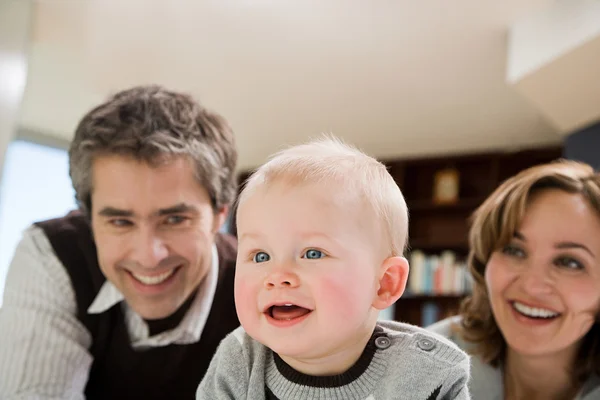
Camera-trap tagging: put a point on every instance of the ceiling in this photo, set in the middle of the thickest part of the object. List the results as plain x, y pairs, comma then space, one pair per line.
397, 78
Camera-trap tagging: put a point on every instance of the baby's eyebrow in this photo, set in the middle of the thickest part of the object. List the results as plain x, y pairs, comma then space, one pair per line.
250, 235
329, 239
316, 235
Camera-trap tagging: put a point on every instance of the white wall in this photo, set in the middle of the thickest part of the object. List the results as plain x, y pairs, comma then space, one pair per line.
553, 59
15, 16
548, 34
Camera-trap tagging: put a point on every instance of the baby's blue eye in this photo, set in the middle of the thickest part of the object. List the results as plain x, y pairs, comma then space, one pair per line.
313, 254
261, 256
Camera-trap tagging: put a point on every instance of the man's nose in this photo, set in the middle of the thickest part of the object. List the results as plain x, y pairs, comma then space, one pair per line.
149, 249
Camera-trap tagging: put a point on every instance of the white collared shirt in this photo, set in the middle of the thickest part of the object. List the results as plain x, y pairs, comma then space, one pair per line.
44, 347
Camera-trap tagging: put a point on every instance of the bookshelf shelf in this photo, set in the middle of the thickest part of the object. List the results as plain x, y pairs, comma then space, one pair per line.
424, 310
462, 205
433, 297
459, 245
438, 229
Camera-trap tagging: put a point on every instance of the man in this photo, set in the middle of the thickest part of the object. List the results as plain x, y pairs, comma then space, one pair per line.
129, 296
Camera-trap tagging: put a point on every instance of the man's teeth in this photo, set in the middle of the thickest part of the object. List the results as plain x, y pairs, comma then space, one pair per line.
154, 279
534, 312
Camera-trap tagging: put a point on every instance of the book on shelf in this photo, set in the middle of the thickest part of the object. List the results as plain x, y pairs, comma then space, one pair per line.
433, 274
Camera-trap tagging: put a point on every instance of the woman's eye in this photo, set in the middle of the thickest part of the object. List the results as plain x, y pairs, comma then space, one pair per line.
569, 263
260, 257
313, 254
513, 251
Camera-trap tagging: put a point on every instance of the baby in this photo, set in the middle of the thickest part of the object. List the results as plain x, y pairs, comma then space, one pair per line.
322, 228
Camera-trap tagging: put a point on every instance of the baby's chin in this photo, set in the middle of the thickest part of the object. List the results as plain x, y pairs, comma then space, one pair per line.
290, 347
282, 344
303, 350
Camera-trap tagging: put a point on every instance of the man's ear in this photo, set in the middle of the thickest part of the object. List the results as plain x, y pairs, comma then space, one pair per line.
393, 276
220, 217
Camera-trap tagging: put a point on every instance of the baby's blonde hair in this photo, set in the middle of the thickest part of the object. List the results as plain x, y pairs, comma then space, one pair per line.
329, 160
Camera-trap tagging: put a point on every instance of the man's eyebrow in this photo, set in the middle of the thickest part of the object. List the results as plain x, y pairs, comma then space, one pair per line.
180, 208
115, 212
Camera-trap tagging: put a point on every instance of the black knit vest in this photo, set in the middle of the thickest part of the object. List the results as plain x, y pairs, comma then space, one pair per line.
118, 371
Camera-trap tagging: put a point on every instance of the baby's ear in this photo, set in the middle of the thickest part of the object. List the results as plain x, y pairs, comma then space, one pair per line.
393, 276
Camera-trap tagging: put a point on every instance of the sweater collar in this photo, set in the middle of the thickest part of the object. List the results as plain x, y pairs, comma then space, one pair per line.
364, 375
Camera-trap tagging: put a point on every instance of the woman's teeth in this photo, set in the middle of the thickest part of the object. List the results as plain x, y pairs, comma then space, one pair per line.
534, 312
154, 279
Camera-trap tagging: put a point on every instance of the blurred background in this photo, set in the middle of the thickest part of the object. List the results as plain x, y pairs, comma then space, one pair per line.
455, 96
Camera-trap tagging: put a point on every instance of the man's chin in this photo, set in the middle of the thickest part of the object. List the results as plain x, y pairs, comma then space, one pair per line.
153, 302
161, 307
153, 314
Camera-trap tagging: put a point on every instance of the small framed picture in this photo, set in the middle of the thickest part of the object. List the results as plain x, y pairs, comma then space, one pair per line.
446, 185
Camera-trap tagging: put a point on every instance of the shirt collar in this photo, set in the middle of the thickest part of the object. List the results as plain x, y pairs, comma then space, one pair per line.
107, 297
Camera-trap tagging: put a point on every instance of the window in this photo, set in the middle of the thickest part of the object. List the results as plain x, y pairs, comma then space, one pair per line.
35, 186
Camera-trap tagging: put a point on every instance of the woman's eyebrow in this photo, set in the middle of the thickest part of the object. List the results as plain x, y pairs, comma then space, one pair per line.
574, 245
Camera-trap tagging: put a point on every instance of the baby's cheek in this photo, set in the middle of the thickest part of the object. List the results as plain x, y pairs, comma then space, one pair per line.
342, 297
245, 299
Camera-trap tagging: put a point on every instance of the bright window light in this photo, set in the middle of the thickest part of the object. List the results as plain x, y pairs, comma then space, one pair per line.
35, 186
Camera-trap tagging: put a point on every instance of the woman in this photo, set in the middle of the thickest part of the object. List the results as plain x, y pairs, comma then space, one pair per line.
531, 321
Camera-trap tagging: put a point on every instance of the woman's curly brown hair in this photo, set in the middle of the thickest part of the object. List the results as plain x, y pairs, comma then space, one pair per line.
493, 225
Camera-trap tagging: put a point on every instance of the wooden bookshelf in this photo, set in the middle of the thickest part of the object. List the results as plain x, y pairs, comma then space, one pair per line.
435, 228
241, 180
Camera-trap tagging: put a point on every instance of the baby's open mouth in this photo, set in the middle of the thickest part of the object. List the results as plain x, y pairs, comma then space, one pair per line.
287, 312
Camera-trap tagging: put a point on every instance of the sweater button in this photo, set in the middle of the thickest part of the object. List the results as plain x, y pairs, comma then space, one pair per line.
426, 344
382, 342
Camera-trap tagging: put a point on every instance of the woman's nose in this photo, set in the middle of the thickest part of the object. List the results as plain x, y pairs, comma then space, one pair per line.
536, 279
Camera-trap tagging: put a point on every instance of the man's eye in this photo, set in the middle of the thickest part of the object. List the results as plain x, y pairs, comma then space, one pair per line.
260, 257
175, 219
313, 254
120, 223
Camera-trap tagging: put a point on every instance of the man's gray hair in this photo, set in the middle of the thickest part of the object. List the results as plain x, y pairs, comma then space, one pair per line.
153, 124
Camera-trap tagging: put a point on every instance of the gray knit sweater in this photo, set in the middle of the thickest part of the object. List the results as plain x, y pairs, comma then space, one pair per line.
401, 361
